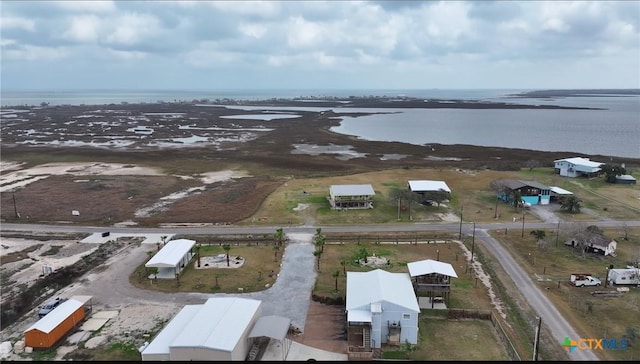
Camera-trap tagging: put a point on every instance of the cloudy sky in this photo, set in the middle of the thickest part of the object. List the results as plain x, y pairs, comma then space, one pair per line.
208, 45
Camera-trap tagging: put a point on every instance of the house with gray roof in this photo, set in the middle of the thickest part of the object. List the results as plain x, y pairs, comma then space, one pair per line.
531, 192
351, 196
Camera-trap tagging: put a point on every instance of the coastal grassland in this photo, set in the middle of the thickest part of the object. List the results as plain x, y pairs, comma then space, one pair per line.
470, 190
471, 195
591, 316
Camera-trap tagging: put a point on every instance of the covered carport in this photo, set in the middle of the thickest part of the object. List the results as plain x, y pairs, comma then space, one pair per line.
172, 258
272, 327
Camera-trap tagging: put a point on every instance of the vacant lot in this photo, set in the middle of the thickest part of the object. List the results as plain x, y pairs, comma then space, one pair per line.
551, 266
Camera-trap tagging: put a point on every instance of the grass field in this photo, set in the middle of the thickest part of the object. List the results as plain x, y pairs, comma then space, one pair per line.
470, 192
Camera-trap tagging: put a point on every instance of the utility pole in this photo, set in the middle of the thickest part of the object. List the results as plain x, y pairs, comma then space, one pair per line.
557, 233
398, 209
460, 232
15, 207
537, 341
473, 240
523, 223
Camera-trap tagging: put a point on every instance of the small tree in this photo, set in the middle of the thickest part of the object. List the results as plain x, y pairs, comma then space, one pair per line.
198, 254
611, 171
276, 249
499, 188
226, 248
517, 199
531, 164
539, 234
437, 196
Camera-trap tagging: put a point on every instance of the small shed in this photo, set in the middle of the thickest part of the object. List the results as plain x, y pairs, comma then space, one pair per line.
47, 331
172, 258
625, 179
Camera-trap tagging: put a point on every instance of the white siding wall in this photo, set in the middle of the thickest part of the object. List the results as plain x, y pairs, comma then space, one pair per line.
393, 313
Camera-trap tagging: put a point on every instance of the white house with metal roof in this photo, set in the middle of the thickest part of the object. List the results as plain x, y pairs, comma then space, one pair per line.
421, 186
381, 308
219, 329
576, 167
172, 258
351, 196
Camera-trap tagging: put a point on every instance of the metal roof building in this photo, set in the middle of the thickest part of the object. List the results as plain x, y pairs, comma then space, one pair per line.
428, 186
219, 329
430, 266
172, 258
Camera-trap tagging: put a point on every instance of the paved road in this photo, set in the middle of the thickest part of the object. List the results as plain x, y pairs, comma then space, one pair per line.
297, 273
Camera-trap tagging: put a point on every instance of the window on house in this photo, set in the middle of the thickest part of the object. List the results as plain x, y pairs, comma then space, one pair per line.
406, 316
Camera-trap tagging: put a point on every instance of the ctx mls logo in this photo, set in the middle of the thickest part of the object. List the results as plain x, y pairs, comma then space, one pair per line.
599, 344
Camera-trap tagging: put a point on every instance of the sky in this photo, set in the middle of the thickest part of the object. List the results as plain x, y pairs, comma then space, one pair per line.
208, 45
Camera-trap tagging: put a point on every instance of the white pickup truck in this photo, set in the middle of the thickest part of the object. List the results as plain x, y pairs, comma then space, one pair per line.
581, 280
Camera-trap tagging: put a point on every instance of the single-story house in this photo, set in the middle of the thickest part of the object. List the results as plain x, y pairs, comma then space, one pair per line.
625, 179
598, 244
433, 278
219, 329
531, 192
577, 167
381, 308
351, 196
558, 194
47, 331
172, 258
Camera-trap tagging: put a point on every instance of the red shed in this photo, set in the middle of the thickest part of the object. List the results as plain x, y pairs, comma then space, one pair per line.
55, 325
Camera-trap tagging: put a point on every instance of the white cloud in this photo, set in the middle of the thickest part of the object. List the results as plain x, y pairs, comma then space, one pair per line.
13, 22
84, 28
35, 53
92, 6
132, 28
252, 30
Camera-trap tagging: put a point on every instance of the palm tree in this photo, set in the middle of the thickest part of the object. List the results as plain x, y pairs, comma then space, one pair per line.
343, 263
317, 254
517, 199
226, 248
279, 236
336, 274
571, 204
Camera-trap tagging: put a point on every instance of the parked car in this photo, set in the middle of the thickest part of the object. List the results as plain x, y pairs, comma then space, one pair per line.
49, 306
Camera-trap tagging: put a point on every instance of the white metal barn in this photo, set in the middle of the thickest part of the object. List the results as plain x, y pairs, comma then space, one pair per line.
219, 329
172, 258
